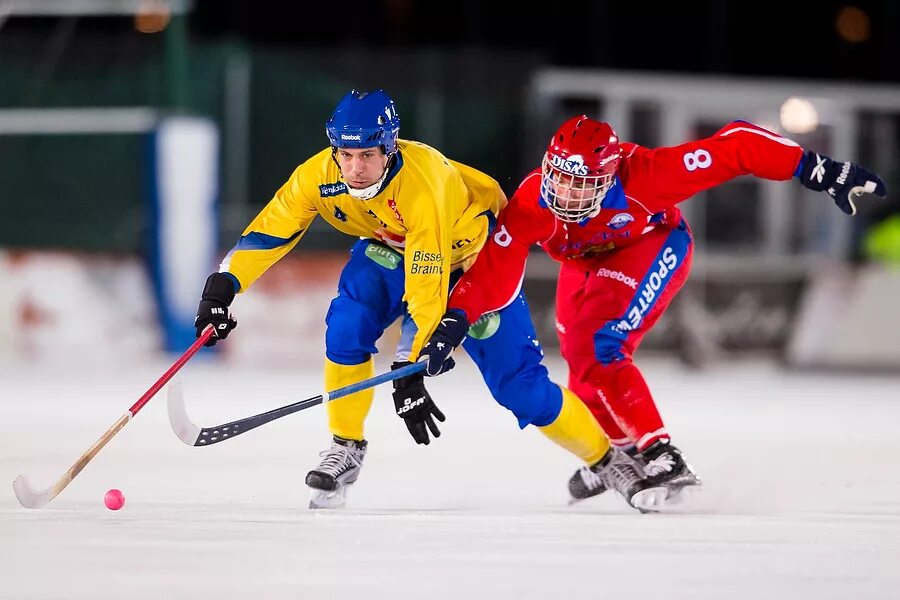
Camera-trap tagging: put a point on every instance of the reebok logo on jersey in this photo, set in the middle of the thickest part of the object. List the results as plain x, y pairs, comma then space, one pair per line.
618, 276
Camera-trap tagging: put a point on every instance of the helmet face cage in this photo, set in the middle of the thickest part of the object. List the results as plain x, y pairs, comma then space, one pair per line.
568, 191
364, 120
579, 168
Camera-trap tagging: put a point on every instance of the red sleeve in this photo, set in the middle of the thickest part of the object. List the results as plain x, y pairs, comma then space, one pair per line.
495, 278
662, 177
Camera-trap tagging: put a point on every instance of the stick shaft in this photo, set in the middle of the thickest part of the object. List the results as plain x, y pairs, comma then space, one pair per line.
195, 347
206, 436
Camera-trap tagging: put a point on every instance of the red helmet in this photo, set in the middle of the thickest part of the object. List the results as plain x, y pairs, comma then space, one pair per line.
579, 167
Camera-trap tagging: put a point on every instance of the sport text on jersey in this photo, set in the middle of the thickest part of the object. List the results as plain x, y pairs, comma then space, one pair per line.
665, 266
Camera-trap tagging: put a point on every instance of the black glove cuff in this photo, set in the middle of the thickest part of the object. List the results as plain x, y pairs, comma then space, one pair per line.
219, 287
409, 380
819, 171
456, 330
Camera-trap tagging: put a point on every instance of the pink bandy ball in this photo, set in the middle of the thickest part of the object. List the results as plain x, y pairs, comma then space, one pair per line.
114, 499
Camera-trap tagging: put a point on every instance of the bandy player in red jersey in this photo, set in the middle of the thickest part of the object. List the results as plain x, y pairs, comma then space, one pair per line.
607, 211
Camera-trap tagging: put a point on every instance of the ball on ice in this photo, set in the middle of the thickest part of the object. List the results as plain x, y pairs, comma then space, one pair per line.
114, 499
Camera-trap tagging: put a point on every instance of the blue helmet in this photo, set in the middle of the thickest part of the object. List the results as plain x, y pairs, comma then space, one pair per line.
364, 120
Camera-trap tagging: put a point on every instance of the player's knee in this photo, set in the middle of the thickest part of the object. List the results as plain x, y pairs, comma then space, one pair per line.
351, 330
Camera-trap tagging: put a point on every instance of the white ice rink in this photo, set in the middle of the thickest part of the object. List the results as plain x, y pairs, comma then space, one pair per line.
802, 495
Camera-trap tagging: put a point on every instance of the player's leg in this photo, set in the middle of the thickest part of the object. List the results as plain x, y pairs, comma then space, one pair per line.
370, 298
504, 345
620, 303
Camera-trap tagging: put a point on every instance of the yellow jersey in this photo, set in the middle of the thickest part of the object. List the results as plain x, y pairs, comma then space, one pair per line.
435, 211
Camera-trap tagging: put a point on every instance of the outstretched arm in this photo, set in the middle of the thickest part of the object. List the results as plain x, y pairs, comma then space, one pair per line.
662, 177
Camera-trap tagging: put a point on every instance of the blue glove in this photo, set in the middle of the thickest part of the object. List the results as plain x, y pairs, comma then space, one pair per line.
448, 335
843, 181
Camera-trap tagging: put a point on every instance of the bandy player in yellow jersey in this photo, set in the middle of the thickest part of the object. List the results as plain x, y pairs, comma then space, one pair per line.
421, 219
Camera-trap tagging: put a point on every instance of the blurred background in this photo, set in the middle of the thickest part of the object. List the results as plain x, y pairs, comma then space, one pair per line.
139, 137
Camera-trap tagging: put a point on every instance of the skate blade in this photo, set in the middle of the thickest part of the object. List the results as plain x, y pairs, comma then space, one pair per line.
574, 500
684, 494
323, 499
650, 500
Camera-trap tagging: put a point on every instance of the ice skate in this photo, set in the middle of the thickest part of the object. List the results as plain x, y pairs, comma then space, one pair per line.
585, 483
340, 467
664, 464
618, 471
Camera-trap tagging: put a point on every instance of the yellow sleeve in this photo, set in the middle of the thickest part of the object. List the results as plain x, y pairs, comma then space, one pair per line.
427, 260
274, 232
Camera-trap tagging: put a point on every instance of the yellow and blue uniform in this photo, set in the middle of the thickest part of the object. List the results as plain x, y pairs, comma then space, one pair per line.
432, 210
430, 216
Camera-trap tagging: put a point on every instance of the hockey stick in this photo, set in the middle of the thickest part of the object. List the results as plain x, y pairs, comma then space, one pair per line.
29, 498
192, 435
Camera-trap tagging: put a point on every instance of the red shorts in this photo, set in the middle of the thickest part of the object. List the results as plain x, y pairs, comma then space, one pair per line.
602, 314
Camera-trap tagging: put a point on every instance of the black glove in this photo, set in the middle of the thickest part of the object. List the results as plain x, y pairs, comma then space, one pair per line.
448, 335
218, 294
843, 181
415, 406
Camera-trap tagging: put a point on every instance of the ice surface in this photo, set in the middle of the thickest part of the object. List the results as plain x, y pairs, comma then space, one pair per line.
802, 494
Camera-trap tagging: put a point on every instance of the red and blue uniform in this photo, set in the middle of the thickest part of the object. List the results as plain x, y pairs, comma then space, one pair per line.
621, 268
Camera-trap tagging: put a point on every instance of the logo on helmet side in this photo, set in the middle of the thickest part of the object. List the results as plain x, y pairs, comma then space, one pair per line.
351, 138
574, 164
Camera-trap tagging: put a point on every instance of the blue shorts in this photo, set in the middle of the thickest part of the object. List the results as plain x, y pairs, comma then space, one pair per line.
504, 344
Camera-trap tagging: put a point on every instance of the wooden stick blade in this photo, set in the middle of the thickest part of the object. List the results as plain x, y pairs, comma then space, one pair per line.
181, 423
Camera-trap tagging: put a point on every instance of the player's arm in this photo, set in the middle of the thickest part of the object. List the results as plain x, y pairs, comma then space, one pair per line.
495, 279
663, 177
271, 235
427, 264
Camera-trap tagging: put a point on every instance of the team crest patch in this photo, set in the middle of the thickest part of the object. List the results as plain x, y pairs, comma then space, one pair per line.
332, 189
620, 220
485, 327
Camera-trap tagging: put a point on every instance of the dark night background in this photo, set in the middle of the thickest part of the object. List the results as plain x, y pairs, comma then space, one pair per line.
791, 39
269, 72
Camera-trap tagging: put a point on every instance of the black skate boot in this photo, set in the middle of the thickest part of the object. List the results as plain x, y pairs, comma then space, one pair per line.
340, 467
585, 483
664, 464
618, 471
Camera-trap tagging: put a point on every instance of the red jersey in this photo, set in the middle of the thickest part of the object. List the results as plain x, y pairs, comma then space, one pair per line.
649, 184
